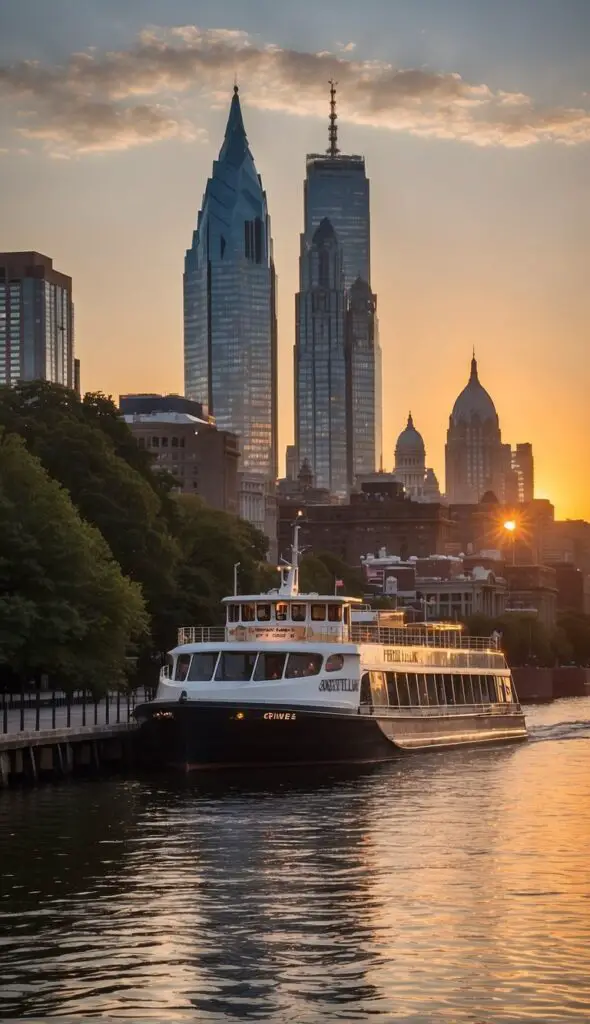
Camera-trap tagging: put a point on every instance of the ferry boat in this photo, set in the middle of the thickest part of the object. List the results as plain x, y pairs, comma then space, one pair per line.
320, 679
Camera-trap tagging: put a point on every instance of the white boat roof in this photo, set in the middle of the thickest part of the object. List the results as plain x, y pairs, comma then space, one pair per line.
260, 644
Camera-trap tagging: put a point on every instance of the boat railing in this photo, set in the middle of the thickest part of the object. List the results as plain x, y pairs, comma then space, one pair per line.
435, 710
357, 633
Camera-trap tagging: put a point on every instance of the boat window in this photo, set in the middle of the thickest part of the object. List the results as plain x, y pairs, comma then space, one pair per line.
458, 688
391, 689
449, 690
500, 690
248, 612
334, 613
412, 689
233, 613
491, 689
318, 612
442, 694
431, 689
421, 683
202, 666
378, 689
300, 665
334, 663
402, 688
478, 697
365, 689
468, 690
182, 663
263, 612
270, 665
235, 666
281, 611
507, 689
298, 612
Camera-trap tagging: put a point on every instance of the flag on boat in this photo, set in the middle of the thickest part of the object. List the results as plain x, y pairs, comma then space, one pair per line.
339, 583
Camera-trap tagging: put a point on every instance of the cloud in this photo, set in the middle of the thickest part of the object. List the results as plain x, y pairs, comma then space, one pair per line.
91, 103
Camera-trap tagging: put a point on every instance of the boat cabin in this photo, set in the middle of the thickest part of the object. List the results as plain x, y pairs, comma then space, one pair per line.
276, 616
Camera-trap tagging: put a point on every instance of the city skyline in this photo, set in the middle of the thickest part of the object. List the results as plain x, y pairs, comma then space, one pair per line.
480, 216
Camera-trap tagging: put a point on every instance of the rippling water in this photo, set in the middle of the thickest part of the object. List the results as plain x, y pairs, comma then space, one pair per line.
447, 887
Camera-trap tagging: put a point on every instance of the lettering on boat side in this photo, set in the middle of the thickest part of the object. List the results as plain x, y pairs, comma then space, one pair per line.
286, 716
163, 714
349, 685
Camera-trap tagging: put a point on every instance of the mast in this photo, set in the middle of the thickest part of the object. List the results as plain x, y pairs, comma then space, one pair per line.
333, 129
290, 580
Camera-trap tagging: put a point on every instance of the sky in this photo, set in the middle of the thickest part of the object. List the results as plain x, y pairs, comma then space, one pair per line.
473, 117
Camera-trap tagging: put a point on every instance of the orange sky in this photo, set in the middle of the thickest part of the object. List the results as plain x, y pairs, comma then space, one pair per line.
472, 245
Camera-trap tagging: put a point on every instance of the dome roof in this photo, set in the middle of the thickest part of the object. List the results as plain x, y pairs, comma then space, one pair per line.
473, 401
410, 441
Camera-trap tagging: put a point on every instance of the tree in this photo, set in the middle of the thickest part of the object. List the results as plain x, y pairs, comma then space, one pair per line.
320, 570
576, 628
65, 607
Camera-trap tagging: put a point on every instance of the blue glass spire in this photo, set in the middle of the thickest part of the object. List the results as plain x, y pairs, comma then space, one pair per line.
229, 303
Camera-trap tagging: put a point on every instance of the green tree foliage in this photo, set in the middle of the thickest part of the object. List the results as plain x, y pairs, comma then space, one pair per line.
65, 607
576, 628
320, 571
524, 640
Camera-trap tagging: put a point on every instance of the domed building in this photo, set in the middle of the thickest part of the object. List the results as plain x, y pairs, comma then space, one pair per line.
420, 483
476, 461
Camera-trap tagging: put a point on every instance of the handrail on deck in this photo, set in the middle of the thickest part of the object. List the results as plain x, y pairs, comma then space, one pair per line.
357, 633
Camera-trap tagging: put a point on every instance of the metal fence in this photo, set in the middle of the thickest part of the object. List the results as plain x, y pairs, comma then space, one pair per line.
41, 710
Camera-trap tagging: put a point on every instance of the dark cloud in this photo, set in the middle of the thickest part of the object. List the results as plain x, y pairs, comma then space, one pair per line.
90, 102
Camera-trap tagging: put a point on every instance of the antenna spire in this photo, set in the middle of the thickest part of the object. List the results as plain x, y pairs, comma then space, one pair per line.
333, 129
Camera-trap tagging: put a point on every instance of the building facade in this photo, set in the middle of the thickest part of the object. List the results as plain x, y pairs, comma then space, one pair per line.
36, 321
336, 193
523, 464
475, 458
230, 326
203, 460
379, 516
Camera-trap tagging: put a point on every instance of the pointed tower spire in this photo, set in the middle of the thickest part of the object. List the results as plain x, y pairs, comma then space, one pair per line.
410, 421
473, 367
235, 142
333, 129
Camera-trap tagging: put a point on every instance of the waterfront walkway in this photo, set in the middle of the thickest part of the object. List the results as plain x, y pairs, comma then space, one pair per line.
51, 732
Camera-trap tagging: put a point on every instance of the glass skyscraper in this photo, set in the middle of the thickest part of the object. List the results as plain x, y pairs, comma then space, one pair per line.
320, 360
230, 328
336, 192
36, 320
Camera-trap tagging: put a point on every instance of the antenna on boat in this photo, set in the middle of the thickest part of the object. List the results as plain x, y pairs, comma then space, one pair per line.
290, 581
236, 567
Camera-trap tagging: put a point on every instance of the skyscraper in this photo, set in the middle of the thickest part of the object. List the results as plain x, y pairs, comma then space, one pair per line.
320, 360
336, 192
36, 320
230, 332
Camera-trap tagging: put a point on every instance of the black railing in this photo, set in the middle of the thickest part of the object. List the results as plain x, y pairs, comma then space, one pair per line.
40, 710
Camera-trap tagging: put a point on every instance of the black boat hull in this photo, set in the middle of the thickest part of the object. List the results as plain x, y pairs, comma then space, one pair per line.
203, 735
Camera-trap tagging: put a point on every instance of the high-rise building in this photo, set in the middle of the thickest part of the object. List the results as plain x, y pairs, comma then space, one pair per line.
230, 327
523, 465
320, 361
336, 192
36, 320
475, 457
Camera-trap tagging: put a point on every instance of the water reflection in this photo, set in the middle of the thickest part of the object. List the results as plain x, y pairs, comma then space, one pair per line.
446, 887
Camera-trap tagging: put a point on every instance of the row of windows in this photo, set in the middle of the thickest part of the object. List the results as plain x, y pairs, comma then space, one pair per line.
241, 666
279, 612
161, 442
430, 689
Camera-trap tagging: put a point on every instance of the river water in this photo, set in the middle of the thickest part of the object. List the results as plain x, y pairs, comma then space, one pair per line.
446, 887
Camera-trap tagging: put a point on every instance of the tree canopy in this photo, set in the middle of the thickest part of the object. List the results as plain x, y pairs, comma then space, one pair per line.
65, 607
176, 549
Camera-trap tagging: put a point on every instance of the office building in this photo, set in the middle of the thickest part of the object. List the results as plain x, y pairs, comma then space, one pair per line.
336, 323
36, 321
230, 330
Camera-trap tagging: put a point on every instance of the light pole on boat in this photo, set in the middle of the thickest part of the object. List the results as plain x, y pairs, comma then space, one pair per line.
236, 567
